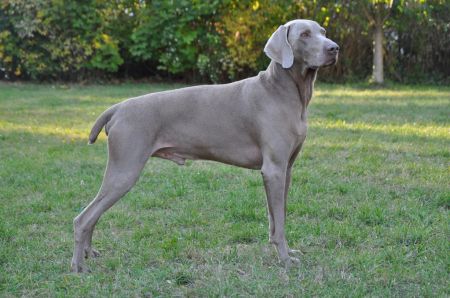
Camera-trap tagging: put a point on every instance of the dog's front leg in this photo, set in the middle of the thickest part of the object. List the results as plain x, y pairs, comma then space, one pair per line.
274, 177
286, 191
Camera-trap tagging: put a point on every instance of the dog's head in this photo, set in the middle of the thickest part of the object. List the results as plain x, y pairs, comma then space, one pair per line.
301, 41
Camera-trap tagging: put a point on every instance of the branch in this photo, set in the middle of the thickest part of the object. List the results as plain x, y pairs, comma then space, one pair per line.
367, 13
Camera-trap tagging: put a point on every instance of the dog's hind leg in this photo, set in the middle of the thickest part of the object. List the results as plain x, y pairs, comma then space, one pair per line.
126, 159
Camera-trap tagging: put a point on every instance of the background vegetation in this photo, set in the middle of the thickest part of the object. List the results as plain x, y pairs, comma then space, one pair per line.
368, 206
214, 40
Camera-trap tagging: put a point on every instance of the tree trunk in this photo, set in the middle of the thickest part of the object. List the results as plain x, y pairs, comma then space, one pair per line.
378, 76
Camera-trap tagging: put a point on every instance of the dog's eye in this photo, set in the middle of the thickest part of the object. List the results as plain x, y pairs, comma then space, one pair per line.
323, 32
306, 34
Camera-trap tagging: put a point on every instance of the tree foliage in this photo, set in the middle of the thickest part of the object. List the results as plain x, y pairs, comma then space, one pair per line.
178, 36
213, 40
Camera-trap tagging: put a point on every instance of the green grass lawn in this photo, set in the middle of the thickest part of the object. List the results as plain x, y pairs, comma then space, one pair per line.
368, 206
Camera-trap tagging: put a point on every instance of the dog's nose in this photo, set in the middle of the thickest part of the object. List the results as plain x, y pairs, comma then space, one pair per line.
333, 49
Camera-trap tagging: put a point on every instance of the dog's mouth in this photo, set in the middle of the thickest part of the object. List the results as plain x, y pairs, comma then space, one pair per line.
331, 62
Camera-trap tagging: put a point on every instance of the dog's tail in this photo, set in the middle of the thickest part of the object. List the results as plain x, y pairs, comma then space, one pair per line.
100, 122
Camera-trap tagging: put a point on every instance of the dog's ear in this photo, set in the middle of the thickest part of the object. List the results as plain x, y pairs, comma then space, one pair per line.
278, 48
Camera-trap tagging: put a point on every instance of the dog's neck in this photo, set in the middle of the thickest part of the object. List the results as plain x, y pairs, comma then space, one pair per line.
301, 76
304, 79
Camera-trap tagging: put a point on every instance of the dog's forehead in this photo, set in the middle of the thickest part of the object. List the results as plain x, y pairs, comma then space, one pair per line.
303, 24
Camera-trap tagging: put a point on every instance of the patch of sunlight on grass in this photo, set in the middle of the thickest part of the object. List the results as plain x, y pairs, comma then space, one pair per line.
404, 129
48, 130
383, 93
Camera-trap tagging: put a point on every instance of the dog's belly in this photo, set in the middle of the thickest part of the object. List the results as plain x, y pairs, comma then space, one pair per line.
247, 157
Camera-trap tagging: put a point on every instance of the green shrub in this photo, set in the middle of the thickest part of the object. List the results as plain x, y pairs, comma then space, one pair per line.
211, 40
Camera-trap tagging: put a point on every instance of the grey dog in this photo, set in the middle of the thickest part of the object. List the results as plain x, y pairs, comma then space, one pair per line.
258, 123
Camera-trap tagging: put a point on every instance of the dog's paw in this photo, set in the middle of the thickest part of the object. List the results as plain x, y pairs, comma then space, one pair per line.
77, 268
290, 262
295, 252
89, 252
